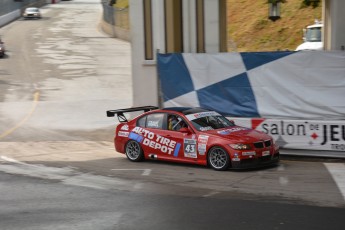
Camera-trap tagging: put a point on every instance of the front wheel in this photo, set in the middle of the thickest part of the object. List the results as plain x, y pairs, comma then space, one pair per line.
218, 159
134, 151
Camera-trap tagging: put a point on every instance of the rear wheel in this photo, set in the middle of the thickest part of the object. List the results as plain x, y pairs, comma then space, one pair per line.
218, 159
133, 151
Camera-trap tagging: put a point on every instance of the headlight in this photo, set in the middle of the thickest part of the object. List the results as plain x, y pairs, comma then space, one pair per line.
240, 146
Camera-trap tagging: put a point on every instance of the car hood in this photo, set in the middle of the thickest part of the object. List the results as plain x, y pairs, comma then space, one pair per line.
237, 134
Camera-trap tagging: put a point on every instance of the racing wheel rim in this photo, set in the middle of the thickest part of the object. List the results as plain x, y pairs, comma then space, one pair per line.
218, 158
133, 151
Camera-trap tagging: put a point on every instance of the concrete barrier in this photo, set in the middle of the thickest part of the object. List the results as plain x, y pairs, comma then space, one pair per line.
7, 18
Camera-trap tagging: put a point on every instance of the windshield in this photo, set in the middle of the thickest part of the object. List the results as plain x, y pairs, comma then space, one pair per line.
32, 10
313, 34
211, 120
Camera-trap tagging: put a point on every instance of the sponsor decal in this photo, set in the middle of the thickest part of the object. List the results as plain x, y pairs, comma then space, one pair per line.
123, 134
154, 141
252, 153
231, 130
190, 148
202, 144
301, 134
207, 128
153, 124
125, 127
265, 153
327, 136
195, 116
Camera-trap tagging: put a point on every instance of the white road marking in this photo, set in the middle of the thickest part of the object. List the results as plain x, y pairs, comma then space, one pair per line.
66, 175
337, 170
146, 172
284, 181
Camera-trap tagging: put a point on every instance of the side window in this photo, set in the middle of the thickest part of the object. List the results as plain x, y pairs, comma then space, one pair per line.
175, 123
142, 122
155, 121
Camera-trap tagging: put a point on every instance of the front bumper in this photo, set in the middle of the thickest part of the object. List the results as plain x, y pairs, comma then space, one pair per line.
255, 162
32, 16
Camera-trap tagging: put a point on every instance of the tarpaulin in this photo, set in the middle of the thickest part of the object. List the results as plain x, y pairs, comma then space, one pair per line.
288, 85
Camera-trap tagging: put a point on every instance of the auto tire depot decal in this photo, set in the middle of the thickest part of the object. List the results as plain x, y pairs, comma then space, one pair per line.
155, 141
300, 134
166, 145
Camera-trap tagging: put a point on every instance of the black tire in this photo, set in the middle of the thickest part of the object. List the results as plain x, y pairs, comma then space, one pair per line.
218, 159
133, 151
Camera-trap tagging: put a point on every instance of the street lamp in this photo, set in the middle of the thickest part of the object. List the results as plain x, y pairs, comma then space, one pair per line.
274, 9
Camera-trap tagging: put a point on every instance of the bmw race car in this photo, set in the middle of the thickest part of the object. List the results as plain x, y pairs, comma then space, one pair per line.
191, 135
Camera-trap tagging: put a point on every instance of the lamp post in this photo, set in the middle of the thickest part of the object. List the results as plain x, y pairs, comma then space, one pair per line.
274, 9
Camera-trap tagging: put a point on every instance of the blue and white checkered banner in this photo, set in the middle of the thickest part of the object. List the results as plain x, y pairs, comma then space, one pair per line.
290, 85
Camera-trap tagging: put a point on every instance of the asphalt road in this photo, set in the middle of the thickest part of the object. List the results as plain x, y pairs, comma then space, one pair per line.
59, 170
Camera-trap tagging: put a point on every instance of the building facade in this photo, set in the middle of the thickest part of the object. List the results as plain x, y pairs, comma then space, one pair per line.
171, 26
194, 26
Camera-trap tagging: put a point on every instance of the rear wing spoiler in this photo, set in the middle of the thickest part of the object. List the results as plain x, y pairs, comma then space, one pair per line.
120, 112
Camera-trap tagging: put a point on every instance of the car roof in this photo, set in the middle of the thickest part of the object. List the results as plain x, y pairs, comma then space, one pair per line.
32, 8
186, 110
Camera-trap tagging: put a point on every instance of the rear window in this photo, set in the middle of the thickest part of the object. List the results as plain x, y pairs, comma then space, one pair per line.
155, 121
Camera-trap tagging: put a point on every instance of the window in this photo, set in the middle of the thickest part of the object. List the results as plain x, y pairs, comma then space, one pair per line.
206, 123
155, 121
175, 123
173, 26
148, 30
313, 34
200, 42
142, 122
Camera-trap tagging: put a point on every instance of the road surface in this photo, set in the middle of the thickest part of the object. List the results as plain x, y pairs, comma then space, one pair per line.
59, 169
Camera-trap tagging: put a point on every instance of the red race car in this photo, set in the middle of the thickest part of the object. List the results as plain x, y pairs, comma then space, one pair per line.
191, 135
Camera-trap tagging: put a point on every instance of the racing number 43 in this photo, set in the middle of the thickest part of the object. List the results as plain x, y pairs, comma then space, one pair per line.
190, 148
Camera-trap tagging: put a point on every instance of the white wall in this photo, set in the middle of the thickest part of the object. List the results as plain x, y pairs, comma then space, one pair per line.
144, 76
334, 18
